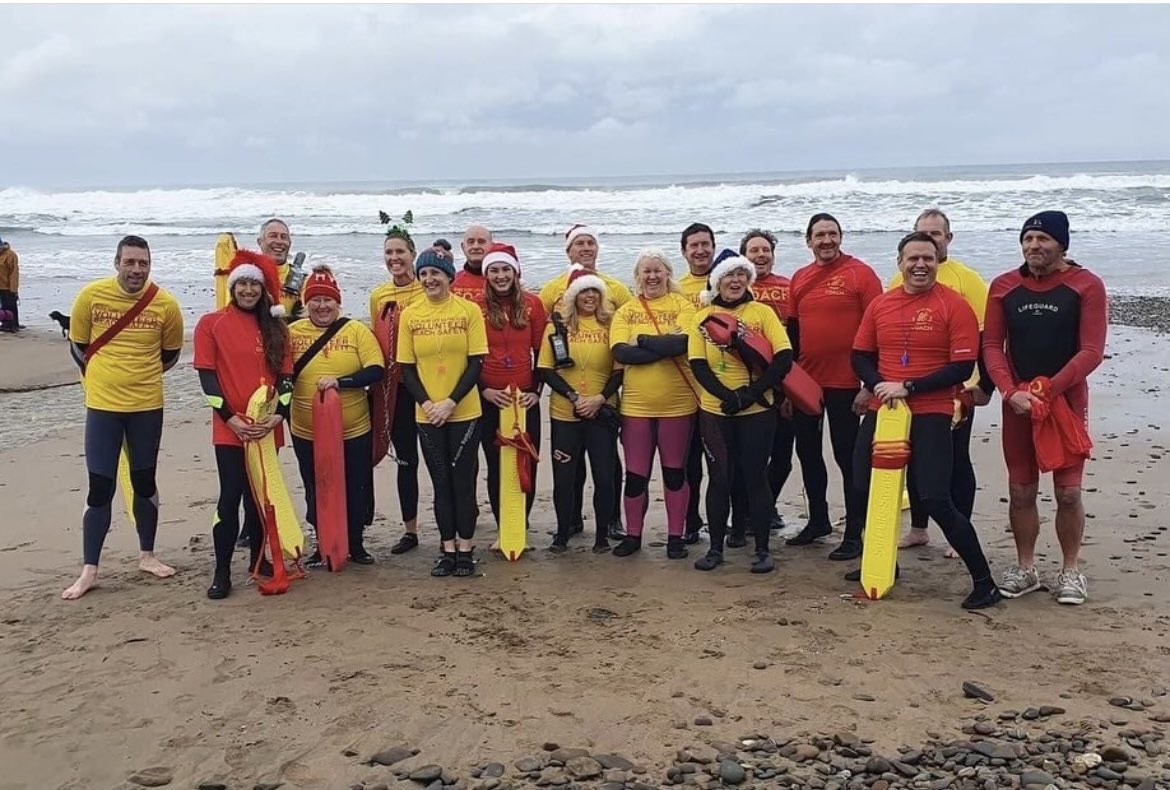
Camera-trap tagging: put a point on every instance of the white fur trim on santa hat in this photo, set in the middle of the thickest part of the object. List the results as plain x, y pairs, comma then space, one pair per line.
584, 283
499, 256
726, 267
580, 230
245, 271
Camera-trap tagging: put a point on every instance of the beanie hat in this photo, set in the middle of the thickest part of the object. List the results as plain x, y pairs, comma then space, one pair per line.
502, 253
1050, 223
258, 268
579, 230
432, 258
321, 283
581, 279
725, 263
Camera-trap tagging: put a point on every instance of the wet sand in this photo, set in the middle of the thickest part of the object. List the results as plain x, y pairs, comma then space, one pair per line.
613, 655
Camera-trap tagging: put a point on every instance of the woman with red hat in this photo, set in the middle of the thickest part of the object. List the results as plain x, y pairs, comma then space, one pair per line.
237, 349
333, 352
739, 352
584, 421
515, 321
400, 290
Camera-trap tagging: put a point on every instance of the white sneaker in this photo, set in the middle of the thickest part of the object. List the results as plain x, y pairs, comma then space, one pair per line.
1019, 581
1071, 587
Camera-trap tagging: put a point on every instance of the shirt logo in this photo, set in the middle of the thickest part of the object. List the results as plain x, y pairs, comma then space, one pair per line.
1037, 308
835, 285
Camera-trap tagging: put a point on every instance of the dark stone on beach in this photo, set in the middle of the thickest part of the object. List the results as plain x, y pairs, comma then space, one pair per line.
395, 754
975, 691
703, 721
732, 773
760, 665
563, 755
1035, 776
609, 761
583, 767
877, 765
1120, 702
1108, 774
493, 770
527, 765
1031, 714
550, 746
996, 751
156, 776
426, 774
862, 697
212, 786
984, 727
1051, 710
1115, 754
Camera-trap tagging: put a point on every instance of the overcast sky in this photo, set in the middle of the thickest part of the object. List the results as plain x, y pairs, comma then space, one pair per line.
172, 94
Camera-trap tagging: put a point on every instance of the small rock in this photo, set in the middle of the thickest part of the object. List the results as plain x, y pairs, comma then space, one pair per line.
212, 786
1120, 702
614, 761
973, 690
732, 773
393, 755
805, 752
493, 770
615, 775
1051, 710
527, 765
152, 777
984, 727
267, 785
760, 665
491, 783
864, 697
1115, 754
703, 721
877, 765
1031, 714
583, 767
564, 755
426, 774
357, 786
550, 746
552, 776
1036, 777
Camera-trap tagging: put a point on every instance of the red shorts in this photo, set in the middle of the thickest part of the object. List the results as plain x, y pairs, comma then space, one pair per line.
1020, 454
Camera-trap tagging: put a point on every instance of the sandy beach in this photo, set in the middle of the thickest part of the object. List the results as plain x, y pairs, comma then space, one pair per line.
640, 657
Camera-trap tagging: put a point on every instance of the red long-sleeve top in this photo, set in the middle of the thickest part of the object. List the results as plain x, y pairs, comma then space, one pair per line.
512, 352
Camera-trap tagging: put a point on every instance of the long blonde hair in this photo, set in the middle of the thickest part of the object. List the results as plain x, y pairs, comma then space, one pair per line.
603, 315
654, 254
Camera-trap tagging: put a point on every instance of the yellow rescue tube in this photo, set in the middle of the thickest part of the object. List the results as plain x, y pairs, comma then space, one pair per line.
225, 250
513, 501
267, 478
883, 515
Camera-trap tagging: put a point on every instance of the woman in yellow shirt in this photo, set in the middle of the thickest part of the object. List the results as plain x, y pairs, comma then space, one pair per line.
739, 353
442, 341
659, 400
402, 289
584, 420
348, 360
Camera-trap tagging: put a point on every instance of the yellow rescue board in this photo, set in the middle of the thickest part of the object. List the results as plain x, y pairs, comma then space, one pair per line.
883, 515
513, 502
268, 479
225, 250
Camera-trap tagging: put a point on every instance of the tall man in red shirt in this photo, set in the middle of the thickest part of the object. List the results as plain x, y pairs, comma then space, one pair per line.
469, 282
1045, 320
918, 343
828, 298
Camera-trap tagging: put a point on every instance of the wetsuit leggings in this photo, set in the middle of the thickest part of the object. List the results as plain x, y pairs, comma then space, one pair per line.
779, 468
404, 438
571, 442
359, 482
489, 424
452, 458
843, 426
962, 478
930, 469
616, 498
233, 488
10, 303
737, 451
105, 433
671, 437
695, 456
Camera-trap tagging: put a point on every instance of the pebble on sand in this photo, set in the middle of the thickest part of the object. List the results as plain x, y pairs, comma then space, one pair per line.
156, 776
394, 754
974, 690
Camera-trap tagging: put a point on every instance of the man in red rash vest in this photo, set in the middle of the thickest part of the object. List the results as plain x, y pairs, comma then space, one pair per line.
828, 298
469, 282
1047, 318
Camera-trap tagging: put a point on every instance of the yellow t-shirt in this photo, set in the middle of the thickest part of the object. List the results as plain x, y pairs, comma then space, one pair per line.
589, 349
438, 338
389, 292
349, 351
965, 281
692, 286
726, 364
616, 292
126, 374
657, 389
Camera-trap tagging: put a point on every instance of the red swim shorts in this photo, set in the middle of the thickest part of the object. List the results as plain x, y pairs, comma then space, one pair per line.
1020, 454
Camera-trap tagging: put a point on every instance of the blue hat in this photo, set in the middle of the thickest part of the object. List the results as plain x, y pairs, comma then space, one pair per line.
433, 259
1050, 223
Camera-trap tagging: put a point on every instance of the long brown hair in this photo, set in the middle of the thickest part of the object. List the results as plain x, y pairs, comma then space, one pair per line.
273, 333
509, 307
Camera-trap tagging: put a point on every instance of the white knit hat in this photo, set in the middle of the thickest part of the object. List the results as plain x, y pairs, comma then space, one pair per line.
726, 262
579, 230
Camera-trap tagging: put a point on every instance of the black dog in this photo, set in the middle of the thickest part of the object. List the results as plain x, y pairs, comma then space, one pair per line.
63, 320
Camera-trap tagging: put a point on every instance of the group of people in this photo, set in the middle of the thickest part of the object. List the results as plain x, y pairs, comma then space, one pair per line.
690, 368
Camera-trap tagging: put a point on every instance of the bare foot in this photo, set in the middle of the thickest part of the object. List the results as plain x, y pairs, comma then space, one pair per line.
85, 582
495, 547
149, 563
915, 537
951, 554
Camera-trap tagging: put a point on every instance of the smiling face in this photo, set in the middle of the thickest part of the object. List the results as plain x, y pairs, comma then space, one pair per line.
918, 263
698, 251
323, 310
653, 277
475, 244
588, 301
246, 294
733, 285
133, 268
399, 260
824, 239
1042, 253
501, 278
759, 251
583, 250
275, 241
435, 283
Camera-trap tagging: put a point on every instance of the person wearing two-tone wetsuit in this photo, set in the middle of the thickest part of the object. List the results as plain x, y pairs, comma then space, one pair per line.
1045, 320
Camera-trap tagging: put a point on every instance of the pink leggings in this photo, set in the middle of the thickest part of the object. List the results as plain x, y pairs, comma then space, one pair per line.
671, 436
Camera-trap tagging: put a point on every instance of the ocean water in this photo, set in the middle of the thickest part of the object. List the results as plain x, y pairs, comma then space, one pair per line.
1120, 216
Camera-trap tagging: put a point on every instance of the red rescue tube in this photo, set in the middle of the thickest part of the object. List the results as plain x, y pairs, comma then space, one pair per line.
804, 393
384, 394
329, 469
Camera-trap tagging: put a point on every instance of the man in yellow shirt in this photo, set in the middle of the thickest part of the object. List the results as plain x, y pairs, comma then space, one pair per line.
275, 241
970, 285
581, 248
124, 333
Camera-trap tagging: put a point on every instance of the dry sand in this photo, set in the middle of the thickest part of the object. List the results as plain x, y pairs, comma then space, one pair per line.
610, 654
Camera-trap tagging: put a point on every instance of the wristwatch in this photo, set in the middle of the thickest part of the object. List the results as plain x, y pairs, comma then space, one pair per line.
908, 386
574, 397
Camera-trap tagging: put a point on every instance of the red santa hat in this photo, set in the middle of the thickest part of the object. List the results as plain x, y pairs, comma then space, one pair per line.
579, 230
321, 282
259, 268
581, 279
502, 253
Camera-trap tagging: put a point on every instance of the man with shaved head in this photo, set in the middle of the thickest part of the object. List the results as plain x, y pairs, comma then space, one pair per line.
469, 282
